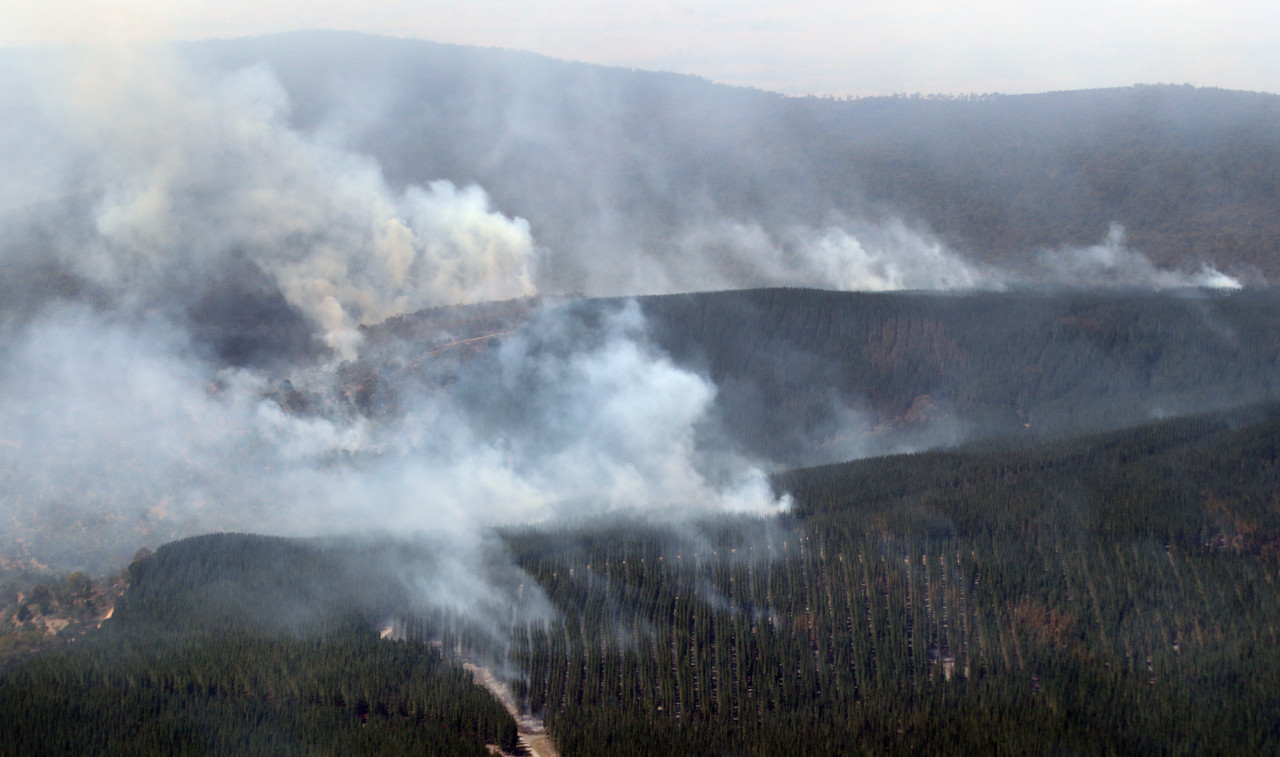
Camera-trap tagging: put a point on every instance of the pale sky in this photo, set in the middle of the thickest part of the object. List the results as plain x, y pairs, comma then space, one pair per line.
838, 47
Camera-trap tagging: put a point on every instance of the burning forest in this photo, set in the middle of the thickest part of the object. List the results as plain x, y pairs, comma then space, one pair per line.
682, 448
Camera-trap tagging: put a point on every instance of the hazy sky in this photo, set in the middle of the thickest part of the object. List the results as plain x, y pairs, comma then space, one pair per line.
821, 46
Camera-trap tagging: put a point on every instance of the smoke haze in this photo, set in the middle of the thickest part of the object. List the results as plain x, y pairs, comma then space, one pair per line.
187, 173
184, 262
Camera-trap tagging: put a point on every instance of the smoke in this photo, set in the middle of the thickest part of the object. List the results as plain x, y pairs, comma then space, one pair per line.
1112, 264
115, 431
843, 255
188, 264
182, 334
866, 256
114, 421
186, 175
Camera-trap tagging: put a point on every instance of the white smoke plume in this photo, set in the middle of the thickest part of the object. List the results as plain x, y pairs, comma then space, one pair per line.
179, 207
888, 257
113, 428
184, 171
863, 256
157, 216
844, 255
1112, 264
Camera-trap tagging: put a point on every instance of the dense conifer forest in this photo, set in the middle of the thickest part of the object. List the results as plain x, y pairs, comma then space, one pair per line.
1110, 594
223, 644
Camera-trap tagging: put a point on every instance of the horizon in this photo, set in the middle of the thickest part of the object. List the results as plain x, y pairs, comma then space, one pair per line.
817, 50
94, 48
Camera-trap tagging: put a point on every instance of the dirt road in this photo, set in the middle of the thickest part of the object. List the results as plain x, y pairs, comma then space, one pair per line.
533, 733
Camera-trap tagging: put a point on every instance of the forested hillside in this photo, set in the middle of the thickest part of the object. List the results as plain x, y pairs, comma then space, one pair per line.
806, 376
1110, 594
603, 159
345, 693
237, 644
794, 377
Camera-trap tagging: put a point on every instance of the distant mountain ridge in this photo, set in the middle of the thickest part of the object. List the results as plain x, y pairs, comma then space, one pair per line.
608, 159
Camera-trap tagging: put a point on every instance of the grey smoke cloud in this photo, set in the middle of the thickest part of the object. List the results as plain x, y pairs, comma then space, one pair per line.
115, 432
155, 213
185, 171
180, 211
115, 425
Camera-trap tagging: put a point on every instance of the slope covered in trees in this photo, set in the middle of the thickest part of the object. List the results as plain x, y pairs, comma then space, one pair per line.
806, 376
345, 693
1115, 593
1018, 602
236, 644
